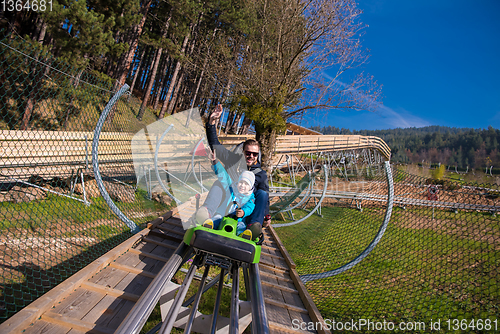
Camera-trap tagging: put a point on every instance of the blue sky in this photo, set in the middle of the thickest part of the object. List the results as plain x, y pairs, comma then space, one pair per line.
438, 62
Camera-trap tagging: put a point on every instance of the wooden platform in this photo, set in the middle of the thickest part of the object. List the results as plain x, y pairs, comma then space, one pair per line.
98, 298
62, 153
316, 143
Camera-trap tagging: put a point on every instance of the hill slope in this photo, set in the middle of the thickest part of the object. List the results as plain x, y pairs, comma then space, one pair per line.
461, 147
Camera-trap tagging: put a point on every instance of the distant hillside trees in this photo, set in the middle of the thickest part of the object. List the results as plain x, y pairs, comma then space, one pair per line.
461, 147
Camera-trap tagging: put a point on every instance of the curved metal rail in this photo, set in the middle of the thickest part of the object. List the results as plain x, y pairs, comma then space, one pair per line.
373, 243
95, 161
307, 196
158, 144
325, 186
138, 316
192, 165
286, 201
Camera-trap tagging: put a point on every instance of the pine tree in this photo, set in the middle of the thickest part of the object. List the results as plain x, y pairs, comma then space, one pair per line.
84, 34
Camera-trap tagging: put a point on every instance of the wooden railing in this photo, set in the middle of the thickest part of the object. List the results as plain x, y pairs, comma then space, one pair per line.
29, 152
38, 148
321, 143
61, 153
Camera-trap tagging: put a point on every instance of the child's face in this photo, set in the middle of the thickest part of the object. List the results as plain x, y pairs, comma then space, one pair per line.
243, 187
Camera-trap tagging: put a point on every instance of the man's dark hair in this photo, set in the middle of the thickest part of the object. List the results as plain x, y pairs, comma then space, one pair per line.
251, 142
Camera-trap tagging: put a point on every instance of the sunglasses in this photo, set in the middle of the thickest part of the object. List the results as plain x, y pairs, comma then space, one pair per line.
253, 154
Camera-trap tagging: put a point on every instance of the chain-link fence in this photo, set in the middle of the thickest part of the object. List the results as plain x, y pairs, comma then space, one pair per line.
436, 265
437, 258
53, 219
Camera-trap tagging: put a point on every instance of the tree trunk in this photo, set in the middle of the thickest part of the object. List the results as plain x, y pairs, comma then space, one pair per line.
143, 73
266, 138
124, 67
181, 98
229, 121
173, 101
225, 92
204, 102
193, 101
146, 66
136, 32
71, 105
41, 30
173, 81
149, 88
234, 126
200, 79
162, 80
137, 71
245, 126
152, 78
28, 110
37, 74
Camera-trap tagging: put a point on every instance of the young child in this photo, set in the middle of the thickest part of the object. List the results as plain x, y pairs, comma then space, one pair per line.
228, 198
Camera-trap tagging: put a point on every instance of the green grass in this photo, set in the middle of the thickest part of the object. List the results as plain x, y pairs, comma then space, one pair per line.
54, 209
416, 272
35, 226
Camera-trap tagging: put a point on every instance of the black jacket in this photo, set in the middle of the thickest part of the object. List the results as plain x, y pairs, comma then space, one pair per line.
234, 163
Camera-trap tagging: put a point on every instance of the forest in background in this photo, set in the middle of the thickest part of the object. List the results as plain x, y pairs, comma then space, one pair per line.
461, 147
264, 61
172, 54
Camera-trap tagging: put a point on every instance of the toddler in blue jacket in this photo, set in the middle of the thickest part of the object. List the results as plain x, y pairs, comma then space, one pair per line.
236, 198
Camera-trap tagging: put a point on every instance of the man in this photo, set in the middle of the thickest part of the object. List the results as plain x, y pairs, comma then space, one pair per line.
251, 149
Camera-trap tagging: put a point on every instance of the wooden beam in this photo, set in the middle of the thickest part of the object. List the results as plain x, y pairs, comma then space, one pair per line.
283, 328
286, 306
280, 287
170, 230
159, 220
73, 323
159, 243
132, 270
273, 266
263, 273
147, 254
110, 291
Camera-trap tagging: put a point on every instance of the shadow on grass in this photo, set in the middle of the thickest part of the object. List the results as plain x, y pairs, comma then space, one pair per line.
39, 281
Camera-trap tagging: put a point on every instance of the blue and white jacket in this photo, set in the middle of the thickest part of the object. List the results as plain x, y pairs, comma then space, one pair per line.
234, 199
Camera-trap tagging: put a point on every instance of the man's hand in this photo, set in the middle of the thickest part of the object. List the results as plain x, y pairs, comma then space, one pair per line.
215, 115
240, 213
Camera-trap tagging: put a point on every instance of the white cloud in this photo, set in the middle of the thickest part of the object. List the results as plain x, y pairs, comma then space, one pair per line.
402, 119
393, 119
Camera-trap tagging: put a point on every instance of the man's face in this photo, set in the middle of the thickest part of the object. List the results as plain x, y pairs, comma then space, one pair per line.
251, 154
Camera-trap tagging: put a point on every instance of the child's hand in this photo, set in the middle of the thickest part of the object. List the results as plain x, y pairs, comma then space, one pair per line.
211, 155
240, 213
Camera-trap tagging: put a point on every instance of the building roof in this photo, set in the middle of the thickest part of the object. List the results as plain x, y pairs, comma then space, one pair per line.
294, 129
